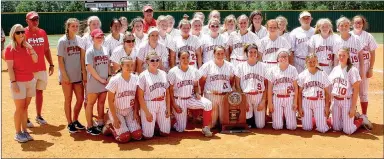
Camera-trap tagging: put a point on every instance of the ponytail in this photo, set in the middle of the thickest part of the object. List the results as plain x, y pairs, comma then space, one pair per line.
349, 63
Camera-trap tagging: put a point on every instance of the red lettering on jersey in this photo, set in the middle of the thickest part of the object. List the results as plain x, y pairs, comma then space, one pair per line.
126, 93
283, 80
156, 85
340, 81
184, 83
218, 77
313, 84
253, 76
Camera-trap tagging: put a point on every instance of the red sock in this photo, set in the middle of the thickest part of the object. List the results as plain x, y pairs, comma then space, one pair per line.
364, 107
207, 117
329, 122
358, 122
313, 122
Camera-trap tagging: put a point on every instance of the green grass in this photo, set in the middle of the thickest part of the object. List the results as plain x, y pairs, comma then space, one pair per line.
54, 38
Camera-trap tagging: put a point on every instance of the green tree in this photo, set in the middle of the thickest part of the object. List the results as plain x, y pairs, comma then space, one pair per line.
9, 6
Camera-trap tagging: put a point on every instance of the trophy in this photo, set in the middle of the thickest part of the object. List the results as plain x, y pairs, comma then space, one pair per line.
234, 113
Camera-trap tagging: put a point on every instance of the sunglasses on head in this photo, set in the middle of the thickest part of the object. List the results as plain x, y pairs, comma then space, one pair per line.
129, 41
19, 32
214, 26
154, 60
34, 19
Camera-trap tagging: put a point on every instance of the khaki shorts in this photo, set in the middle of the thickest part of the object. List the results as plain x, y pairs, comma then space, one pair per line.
41, 80
27, 89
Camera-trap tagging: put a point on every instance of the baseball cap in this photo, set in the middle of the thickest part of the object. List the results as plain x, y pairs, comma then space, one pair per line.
31, 15
152, 29
305, 14
97, 33
147, 7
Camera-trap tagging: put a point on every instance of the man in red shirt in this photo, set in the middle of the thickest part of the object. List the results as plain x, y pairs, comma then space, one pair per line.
39, 40
148, 17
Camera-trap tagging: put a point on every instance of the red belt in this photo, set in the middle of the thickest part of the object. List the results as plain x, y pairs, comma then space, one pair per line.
283, 96
254, 93
161, 98
182, 98
341, 98
222, 93
312, 98
323, 64
270, 62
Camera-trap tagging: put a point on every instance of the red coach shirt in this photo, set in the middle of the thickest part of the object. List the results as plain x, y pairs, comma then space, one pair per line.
147, 25
22, 63
39, 41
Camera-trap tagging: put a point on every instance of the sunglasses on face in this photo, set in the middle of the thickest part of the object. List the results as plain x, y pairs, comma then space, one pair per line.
154, 60
19, 32
129, 41
214, 26
35, 19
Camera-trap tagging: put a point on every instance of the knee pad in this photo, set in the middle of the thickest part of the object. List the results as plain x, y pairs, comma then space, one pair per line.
137, 135
124, 137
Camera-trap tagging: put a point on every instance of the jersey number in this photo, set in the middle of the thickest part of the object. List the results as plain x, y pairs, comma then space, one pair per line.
320, 94
341, 91
259, 86
193, 56
366, 56
354, 59
290, 90
225, 86
331, 57
132, 102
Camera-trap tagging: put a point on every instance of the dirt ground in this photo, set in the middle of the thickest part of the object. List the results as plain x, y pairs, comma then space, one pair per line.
53, 140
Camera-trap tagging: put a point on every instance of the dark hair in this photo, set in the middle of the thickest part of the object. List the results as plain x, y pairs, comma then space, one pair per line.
365, 23
248, 47
114, 20
217, 48
181, 52
253, 14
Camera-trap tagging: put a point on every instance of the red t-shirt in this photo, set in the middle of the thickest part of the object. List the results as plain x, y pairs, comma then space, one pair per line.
22, 63
39, 41
147, 25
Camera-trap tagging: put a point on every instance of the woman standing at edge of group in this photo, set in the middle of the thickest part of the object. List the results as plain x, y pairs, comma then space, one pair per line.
70, 76
19, 56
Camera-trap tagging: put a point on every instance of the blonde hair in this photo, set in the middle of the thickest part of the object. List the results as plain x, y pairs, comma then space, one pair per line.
196, 20
13, 42
321, 22
67, 23
170, 17
150, 54
341, 20
213, 20
309, 56
184, 22
349, 62
160, 19
280, 19
89, 21
271, 21
228, 19
213, 12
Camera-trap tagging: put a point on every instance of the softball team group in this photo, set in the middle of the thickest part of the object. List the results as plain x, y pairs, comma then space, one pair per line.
152, 76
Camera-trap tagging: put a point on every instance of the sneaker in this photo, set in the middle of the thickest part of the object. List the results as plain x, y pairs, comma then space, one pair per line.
72, 128
40, 120
28, 136
93, 131
78, 125
206, 131
29, 124
21, 138
100, 127
366, 123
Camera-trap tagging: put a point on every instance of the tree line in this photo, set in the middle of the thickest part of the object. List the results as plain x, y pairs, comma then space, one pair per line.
79, 6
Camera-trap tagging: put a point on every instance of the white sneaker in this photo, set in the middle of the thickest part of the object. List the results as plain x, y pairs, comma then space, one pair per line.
29, 124
206, 131
40, 120
366, 123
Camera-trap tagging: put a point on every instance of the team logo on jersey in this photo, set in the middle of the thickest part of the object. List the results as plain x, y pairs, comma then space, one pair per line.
340, 80
324, 48
218, 77
72, 50
283, 80
126, 93
313, 84
253, 76
238, 45
98, 60
210, 48
271, 50
184, 83
156, 85
299, 41
36, 41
